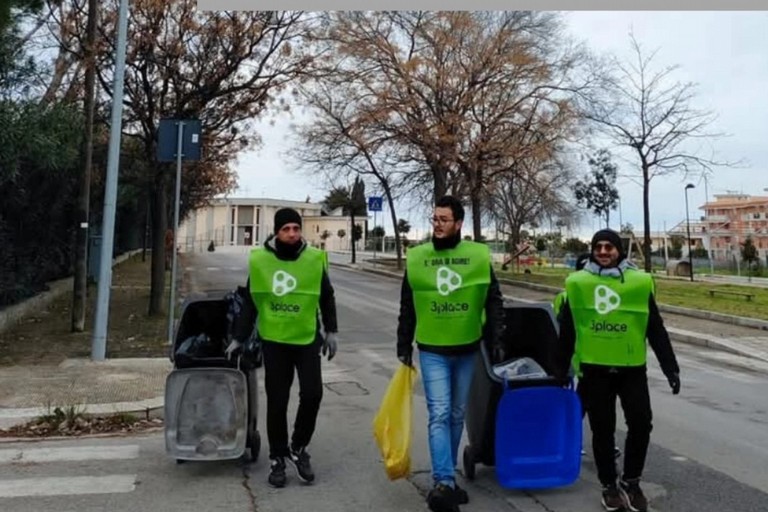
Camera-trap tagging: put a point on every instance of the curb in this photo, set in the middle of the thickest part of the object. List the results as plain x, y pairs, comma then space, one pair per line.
23, 415
715, 342
677, 335
139, 406
107, 435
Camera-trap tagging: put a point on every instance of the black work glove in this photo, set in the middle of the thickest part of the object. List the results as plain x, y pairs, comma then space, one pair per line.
405, 354
674, 382
329, 345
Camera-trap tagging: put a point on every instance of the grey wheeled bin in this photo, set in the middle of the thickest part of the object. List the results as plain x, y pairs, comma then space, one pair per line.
211, 403
530, 331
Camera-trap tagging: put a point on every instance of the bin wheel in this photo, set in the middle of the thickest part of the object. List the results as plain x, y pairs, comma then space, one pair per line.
469, 463
180, 461
254, 445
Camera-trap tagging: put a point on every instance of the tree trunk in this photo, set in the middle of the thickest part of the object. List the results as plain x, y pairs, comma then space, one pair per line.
391, 203
477, 206
145, 236
159, 226
80, 282
646, 219
352, 237
441, 180
608, 219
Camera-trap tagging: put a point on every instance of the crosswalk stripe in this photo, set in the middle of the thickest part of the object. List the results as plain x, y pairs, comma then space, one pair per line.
70, 453
63, 486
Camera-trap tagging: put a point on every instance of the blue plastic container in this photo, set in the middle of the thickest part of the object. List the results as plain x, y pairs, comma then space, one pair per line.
538, 437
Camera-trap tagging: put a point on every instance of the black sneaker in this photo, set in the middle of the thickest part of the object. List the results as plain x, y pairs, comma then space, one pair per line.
462, 498
277, 476
613, 499
442, 499
300, 460
633, 495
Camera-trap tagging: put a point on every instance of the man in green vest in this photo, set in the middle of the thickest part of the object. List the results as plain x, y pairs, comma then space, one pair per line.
557, 304
609, 312
289, 284
450, 301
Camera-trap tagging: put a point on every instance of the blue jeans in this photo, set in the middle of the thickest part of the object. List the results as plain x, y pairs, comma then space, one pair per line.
446, 387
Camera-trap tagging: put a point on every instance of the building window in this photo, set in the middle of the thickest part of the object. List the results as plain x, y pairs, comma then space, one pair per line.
756, 215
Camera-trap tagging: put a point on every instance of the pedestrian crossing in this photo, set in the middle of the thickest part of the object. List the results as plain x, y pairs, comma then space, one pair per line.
66, 486
41, 485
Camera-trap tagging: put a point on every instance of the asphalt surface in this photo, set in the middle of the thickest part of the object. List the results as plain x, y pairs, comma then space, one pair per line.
710, 443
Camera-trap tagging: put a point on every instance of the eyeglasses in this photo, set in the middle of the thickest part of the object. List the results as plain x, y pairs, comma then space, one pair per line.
440, 220
604, 247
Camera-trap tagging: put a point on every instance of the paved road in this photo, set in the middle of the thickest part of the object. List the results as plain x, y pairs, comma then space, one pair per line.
716, 429
710, 444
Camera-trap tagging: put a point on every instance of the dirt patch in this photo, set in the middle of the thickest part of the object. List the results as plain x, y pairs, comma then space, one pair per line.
45, 337
64, 423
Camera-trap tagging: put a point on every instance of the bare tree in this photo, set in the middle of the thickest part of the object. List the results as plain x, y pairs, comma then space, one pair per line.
644, 110
454, 89
530, 192
339, 140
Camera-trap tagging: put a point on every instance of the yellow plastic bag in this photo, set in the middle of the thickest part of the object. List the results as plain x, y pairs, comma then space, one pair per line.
393, 423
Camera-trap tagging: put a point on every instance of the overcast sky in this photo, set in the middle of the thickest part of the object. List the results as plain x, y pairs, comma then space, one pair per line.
725, 53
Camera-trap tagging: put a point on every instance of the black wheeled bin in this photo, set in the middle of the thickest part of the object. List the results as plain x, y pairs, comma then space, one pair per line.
530, 331
211, 402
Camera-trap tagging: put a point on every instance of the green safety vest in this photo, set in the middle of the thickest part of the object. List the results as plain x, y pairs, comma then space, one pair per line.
610, 316
449, 291
287, 294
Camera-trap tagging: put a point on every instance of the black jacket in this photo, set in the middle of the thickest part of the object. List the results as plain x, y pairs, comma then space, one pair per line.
492, 330
243, 325
657, 335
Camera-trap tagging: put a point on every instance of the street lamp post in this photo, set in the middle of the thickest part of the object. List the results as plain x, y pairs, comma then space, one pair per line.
688, 228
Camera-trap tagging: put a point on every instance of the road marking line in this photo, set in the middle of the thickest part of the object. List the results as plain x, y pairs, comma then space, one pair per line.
67, 486
70, 453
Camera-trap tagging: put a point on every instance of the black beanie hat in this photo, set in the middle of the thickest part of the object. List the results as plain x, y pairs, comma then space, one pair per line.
608, 235
285, 216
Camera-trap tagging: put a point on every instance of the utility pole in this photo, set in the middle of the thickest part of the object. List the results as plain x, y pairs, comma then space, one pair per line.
99, 343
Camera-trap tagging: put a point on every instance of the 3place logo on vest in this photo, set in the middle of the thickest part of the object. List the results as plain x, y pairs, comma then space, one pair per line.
283, 283
606, 300
447, 281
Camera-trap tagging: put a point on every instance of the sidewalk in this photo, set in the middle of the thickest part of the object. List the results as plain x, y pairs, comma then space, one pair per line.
130, 385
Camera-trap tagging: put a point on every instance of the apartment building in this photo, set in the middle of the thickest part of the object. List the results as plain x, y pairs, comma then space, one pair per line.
726, 223
730, 219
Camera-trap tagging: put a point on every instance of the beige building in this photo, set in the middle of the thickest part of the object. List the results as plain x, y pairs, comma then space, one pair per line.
248, 222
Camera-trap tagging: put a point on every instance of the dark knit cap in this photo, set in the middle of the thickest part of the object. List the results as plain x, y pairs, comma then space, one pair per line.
285, 216
608, 235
